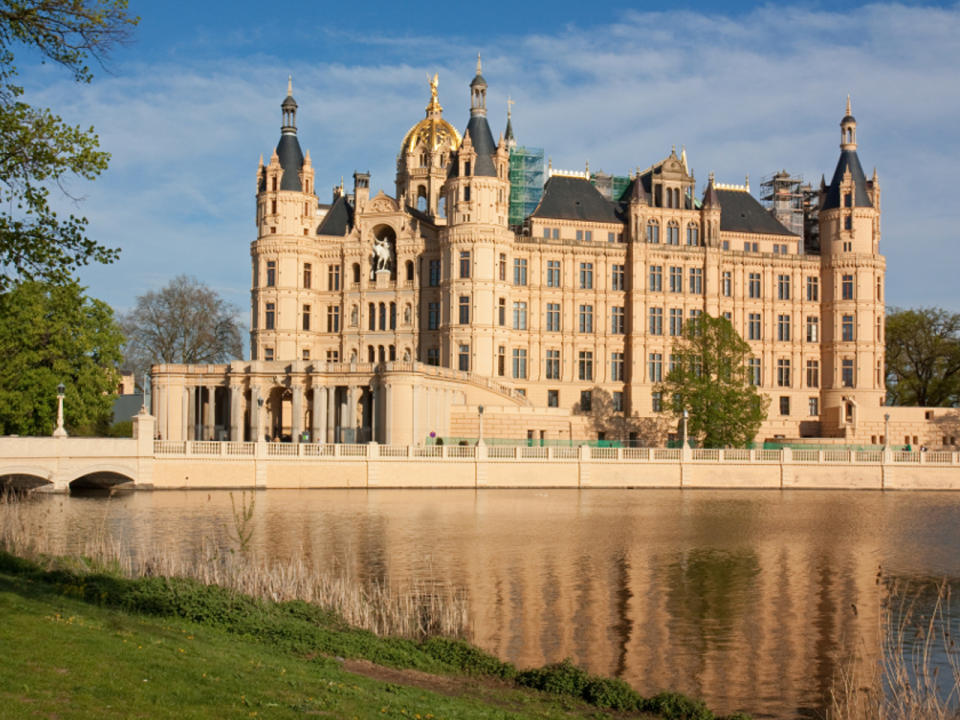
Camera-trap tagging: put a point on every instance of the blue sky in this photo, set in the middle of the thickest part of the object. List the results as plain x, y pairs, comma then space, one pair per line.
188, 107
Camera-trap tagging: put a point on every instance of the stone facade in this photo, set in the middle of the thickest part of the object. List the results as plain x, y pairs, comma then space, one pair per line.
391, 318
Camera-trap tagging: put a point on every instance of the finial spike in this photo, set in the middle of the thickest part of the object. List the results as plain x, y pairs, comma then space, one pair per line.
289, 85
479, 66
848, 105
746, 182
510, 104
711, 177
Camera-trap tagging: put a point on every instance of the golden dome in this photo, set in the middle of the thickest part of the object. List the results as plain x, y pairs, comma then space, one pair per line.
433, 132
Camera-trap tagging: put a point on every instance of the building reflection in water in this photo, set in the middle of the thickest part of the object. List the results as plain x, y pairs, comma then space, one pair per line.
746, 599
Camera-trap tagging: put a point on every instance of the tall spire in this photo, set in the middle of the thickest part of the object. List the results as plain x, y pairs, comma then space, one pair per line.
508, 133
480, 66
848, 130
478, 92
288, 109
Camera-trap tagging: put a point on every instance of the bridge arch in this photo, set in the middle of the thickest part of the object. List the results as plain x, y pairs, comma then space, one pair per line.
24, 477
103, 477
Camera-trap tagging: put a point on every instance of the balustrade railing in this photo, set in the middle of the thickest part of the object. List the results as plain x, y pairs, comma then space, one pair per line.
208, 448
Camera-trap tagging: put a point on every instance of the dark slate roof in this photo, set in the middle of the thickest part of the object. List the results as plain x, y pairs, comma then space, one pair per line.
570, 198
483, 144
710, 197
740, 212
848, 159
338, 220
291, 160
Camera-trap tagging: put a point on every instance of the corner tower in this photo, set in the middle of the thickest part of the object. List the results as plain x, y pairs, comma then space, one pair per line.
852, 275
286, 218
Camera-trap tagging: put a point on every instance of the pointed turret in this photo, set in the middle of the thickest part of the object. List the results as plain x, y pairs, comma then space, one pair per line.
710, 197
508, 134
288, 149
478, 127
849, 162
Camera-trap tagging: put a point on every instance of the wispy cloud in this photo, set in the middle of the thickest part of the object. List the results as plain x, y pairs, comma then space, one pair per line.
745, 95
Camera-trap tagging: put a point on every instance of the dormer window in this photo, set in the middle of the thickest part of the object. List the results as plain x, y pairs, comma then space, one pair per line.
848, 199
466, 170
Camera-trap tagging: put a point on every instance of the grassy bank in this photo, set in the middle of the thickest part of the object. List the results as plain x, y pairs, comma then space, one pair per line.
81, 644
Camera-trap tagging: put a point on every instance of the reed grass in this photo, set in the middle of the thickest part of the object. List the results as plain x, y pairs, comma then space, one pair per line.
917, 676
415, 610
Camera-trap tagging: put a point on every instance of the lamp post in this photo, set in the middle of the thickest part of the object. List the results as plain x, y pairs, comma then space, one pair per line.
886, 431
59, 431
480, 414
686, 416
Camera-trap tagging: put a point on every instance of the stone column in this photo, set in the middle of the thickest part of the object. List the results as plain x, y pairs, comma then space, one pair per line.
210, 414
296, 421
352, 410
387, 409
255, 432
160, 400
375, 423
332, 415
236, 414
318, 418
190, 405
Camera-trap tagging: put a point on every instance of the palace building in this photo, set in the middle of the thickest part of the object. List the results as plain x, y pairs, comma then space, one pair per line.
427, 313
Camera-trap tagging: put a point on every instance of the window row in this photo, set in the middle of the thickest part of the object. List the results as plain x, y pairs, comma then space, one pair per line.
673, 233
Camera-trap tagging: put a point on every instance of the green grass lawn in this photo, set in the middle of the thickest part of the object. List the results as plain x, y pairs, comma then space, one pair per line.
76, 645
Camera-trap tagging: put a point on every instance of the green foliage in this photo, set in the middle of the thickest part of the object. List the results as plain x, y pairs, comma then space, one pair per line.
38, 149
923, 357
711, 382
183, 322
51, 334
674, 706
565, 678
467, 658
122, 429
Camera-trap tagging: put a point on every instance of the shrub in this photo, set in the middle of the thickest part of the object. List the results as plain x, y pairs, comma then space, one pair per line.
562, 678
467, 658
674, 706
611, 693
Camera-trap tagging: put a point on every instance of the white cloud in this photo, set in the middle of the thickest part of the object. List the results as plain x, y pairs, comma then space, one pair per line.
748, 95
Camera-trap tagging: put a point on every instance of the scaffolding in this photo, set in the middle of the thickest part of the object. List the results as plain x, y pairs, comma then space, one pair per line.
784, 196
611, 187
526, 182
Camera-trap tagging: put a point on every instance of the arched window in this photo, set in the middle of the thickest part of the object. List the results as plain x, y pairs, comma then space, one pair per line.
373, 316
382, 356
693, 234
422, 199
442, 207
274, 188
371, 354
393, 353
393, 316
356, 273
409, 270
383, 316
653, 232
673, 231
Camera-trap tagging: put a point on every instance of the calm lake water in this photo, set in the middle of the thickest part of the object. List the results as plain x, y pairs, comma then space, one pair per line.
747, 599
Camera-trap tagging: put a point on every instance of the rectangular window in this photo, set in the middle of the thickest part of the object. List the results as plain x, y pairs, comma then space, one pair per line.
617, 323
753, 285
553, 317
784, 405
696, 280
333, 277
501, 360
271, 273
268, 353
519, 363
783, 372
754, 327
616, 277
847, 287
332, 355
307, 275
653, 232
847, 328
464, 309
333, 319
502, 263
546, 233
588, 236
269, 316
556, 233
553, 398
727, 283
433, 316
655, 367
673, 234
585, 365
553, 273
586, 276
502, 312
464, 263
519, 316
813, 373
552, 367
813, 406
611, 237
783, 328
586, 318
519, 271
434, 279
753, 368
617, 400
616, 367
586, 401
656, 401
656, 321
305, 317
656, 278
813, 329
676, 322
694, 314
846, 373
579, 235
813, 289
463, 358
676, 280
783, 287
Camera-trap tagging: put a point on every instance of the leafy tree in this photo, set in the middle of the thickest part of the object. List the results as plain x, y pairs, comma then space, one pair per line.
711, 381
183, 322
52, 334
38, 149
923, 357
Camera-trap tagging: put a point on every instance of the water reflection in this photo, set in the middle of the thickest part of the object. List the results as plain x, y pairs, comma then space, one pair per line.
747, 599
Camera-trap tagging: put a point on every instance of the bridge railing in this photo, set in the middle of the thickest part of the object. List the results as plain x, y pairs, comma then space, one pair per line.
346, 451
